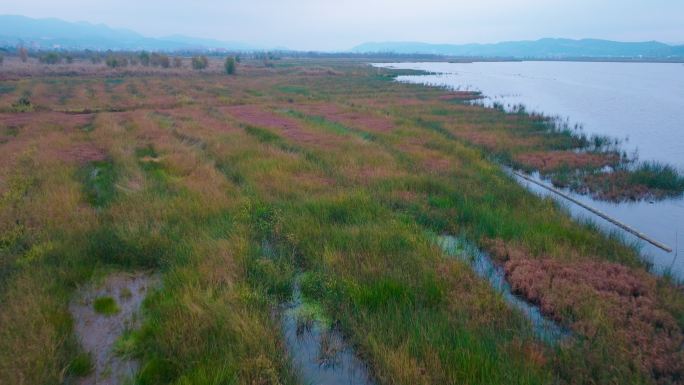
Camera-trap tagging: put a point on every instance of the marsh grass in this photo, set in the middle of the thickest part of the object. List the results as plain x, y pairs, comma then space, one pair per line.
81, 365
106, 306
99, 180
232, 224
659, 176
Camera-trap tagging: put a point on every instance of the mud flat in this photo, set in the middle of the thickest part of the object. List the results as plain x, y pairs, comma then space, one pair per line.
99, 326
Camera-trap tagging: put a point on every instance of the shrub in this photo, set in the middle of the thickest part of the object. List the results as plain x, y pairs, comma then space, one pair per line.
50, 58
2, 59
116, 61
177, 62
23, 54
22, 105
230, 65
159, 60
200, 62
144, 57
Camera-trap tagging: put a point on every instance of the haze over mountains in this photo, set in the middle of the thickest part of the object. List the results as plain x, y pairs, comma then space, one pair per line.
59, 34
543, 49
56, 33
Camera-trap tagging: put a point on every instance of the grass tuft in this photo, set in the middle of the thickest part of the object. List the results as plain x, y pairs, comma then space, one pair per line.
106, 306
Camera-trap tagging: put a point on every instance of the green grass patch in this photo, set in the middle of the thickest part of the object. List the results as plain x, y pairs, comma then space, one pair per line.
106, 306
261, 134
99, 180
658, 176
81, 365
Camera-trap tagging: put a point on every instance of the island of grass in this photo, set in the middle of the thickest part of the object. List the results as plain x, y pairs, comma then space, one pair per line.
106, 306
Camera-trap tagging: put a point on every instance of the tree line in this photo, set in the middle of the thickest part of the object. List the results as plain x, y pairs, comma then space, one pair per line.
122, 59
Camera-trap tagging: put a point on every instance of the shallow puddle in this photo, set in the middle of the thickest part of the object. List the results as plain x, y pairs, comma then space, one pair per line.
102, 313
319, 352
544, 328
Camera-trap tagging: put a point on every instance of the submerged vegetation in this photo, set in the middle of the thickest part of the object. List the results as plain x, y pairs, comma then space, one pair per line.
321, 175
569, 158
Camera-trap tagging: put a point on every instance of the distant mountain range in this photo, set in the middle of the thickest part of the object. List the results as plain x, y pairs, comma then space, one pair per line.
55, 33
60, 34
541, 49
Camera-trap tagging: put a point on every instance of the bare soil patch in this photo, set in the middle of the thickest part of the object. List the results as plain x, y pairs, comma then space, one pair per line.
98, 332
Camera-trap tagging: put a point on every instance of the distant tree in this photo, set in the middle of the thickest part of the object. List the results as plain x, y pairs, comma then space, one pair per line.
69, 59
200, 62
238, 59
164, 61
230, 65
154, 59
50, 58
2, 59
22, 105
177, 62
114, 61
144, 57
23, 54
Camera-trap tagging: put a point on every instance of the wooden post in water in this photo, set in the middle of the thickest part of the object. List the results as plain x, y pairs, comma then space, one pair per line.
601, 214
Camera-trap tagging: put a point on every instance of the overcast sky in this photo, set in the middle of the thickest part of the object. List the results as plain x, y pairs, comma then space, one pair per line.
341, 24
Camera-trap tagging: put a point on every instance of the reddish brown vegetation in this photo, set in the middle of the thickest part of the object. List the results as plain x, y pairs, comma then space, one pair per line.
616, 186
81, 154
287, 127
571, 292
318, 71
37, 119
363, 121
547, 161
461, 95
254, 115
495, 140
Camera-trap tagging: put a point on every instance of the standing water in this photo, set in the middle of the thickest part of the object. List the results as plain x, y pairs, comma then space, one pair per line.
318, 350
640, 103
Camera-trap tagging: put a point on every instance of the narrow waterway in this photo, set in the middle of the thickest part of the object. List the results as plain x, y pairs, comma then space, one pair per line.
544, 328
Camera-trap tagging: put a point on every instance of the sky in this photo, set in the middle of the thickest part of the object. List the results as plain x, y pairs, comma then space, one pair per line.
341, 24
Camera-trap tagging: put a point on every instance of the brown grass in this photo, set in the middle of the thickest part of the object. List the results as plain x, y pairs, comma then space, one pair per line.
546, 161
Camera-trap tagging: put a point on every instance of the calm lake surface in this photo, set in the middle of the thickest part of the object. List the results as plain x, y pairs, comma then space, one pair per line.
640, 103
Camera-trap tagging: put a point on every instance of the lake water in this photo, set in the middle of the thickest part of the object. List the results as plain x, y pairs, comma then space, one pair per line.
640, 103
